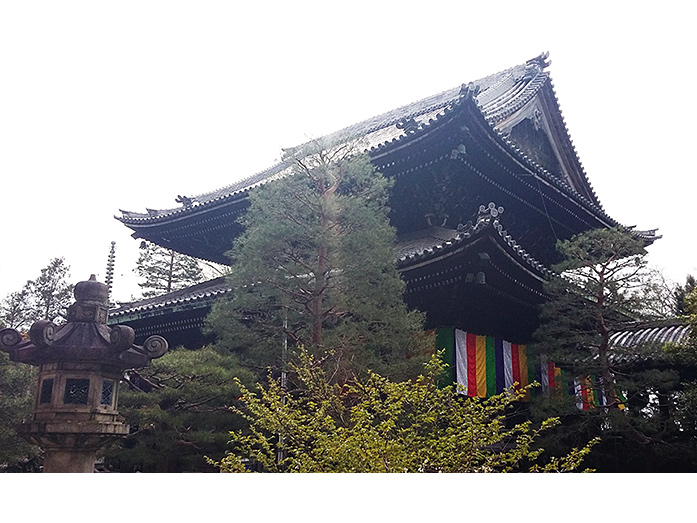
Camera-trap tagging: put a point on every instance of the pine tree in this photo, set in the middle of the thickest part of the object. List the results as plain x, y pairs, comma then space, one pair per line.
598, 292
15, 310
165, 270
178, 408
45, 298
315, 267
594, 295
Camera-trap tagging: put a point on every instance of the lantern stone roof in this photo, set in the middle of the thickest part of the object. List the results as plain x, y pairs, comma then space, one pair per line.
84, 338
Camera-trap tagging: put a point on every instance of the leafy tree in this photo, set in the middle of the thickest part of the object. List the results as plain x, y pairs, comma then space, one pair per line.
178, 409
17, 383
377, 425
691, 308
165, 270
45, 298
315, 267
681, 293
15, 309
599, 290
656, 297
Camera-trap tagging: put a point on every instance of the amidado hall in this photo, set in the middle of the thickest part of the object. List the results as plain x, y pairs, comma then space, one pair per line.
486, 181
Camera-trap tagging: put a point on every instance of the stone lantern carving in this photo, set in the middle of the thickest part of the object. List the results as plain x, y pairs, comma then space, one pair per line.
80, 366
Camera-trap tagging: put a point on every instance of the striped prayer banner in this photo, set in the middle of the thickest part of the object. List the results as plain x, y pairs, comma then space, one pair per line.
552, 378
485, 365
590, 394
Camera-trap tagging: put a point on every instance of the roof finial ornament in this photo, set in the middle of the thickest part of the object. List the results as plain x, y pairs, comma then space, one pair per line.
490, 210
184, 200
542, 60
468, 90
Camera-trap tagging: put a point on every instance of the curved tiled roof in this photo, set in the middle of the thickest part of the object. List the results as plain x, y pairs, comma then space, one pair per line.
645, 342
411, 252
412, 248
496, 96
640, 335
207, 291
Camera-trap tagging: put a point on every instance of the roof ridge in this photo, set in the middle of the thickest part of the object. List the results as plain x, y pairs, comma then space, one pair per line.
380, 121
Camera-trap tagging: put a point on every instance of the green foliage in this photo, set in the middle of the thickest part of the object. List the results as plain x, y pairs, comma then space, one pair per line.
17, 382
315, 267
183, 416
595, 294
602, 285
15, 311
686, 354
657, 297
681, 293
691, 310
47, 297
378, 425
165, 270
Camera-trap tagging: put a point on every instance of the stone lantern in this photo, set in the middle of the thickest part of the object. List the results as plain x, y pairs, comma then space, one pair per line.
80, 366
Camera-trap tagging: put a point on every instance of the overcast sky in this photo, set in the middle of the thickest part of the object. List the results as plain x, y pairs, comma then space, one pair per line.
124, 105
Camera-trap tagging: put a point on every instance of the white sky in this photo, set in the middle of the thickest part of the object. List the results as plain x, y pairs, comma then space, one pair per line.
109, 105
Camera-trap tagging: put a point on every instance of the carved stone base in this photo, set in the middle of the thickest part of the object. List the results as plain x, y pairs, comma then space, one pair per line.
71, 447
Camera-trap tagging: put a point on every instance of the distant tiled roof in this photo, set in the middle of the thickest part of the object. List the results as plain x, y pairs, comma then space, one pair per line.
202, 293
671, 331
643, 343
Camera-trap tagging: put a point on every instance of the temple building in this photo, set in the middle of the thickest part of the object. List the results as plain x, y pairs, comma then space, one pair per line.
486, 181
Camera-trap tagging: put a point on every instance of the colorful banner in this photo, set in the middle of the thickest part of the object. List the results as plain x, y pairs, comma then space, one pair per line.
590, 394
552, 379
483, 365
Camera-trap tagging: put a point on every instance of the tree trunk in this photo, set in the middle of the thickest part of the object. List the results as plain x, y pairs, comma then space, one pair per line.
611, 398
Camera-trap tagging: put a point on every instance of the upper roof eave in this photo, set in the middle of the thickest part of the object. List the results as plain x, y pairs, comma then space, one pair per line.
436, 106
